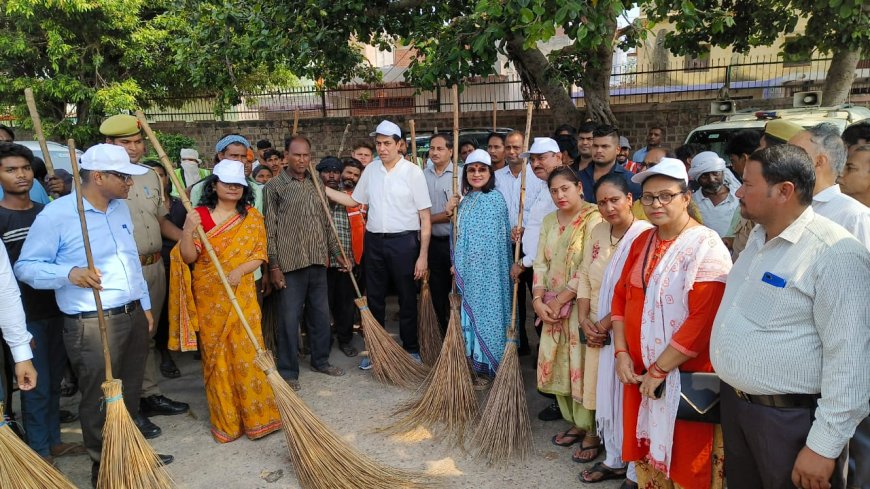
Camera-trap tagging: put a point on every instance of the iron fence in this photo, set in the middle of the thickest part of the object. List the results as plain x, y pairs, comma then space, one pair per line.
630, 83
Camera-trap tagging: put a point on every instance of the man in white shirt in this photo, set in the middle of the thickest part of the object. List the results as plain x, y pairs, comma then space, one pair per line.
791, 337
14, 327
826, 149
715, 198
398, 231
508, 181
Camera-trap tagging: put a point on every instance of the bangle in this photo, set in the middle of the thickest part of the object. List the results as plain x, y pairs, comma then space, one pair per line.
655, 366
617, 352
536, 298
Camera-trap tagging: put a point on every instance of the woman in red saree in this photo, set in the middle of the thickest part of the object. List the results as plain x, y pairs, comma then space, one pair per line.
239, 398
662, 313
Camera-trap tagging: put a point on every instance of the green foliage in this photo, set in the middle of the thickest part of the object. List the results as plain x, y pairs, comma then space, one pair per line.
172, 145
832, 25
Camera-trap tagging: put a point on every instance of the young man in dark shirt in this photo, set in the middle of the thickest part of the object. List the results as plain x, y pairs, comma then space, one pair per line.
40, 406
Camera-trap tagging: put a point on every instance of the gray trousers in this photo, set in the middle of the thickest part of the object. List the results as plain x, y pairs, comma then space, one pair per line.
305, 287
155, 277
128, 346
762, 443
859, 457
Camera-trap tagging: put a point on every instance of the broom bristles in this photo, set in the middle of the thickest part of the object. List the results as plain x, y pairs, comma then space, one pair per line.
323, 460
447, 396
22, 468
127, 461
429, 330
504, 431
391, 364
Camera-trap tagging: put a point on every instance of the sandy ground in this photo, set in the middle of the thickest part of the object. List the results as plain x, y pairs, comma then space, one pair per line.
354, 406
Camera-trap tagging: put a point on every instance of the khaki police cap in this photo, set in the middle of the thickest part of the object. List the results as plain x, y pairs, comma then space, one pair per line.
120, 125
782, 129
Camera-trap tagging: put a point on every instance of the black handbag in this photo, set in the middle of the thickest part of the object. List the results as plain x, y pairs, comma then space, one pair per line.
699, 397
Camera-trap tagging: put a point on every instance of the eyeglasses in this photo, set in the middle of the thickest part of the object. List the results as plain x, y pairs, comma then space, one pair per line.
664, 198
123, 176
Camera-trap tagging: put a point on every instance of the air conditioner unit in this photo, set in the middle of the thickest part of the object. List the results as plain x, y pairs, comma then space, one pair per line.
723, 107
807, 99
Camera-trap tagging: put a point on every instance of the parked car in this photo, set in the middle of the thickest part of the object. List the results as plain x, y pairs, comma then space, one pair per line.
59, 153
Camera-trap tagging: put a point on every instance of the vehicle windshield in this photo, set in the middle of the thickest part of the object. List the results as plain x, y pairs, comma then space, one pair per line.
715, 139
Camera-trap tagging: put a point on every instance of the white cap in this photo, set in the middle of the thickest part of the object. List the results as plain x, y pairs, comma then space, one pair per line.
230, 171
706, 162
479, 156
387, 128
541, 146
669, 167
189, 154
109, 157
623, 142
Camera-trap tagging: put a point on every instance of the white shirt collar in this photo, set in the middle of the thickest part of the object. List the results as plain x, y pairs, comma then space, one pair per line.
828, 194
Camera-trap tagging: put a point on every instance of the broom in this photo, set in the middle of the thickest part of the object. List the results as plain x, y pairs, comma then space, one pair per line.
321, 458
391, 364
127, 460
22, 468
504, 430
447, 396
428, 329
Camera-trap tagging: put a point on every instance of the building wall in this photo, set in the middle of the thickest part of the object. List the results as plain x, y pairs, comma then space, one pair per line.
326, 133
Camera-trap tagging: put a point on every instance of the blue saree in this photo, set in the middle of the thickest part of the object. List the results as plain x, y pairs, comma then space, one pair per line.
482, 261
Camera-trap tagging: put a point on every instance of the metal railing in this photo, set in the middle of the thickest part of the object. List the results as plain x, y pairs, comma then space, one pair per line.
630, 83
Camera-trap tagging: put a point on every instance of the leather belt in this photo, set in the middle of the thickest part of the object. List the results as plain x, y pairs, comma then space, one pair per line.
149, 259
808, 401
125, 309
391, 235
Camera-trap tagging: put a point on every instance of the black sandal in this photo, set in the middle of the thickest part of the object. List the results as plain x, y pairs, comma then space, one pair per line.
583, 448
606, 472
574, 437
627, 484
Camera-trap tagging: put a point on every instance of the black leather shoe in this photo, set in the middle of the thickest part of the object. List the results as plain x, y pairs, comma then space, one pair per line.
149, 430
161, 406
550, 413
165, 459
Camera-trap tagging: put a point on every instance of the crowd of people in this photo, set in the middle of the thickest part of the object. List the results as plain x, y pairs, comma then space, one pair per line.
697, 321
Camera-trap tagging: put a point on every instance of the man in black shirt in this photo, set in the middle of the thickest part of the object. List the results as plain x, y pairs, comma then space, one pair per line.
40, 406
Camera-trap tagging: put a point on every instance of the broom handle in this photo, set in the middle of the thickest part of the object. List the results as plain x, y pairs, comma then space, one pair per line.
343, 139
455, 156
104, 335
167, 166
513, 329
295, 121
37, 128
414, 142
494, 111
316, 179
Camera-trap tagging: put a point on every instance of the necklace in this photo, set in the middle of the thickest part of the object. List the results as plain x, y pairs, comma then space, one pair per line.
612, 244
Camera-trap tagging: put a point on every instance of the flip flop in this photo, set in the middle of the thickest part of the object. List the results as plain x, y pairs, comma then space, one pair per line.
574, 437
606, 472
583, 448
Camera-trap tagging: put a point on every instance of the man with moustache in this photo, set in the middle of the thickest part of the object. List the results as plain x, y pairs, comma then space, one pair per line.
605, 148
151, 224
584, 145
715, 200
508, 181
439, 181
339, 284
274, 160
622, 158
495, 147
653, 140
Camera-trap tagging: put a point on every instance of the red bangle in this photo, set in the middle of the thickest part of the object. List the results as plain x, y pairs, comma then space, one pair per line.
655, 368
617, 352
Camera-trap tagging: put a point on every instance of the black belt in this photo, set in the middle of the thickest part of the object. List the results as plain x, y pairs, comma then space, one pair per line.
125, 309
808, 401
440, 238
391, 235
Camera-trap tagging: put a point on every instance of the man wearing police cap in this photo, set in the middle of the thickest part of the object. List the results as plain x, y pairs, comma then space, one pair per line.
53, 257
150, 225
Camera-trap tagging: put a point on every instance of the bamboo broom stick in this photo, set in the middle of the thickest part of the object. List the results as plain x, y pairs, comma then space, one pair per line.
37, 129
414, 145
494, 111
127, 460
343, 139
295, 121
321, 458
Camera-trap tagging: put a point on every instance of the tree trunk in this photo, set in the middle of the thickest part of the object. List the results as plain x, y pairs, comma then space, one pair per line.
841, 74
536, 73
596, 83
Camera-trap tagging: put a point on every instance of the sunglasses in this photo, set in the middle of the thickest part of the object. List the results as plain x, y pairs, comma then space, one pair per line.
123, 176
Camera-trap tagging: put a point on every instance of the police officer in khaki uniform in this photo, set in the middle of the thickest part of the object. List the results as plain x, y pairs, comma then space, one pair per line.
150, 224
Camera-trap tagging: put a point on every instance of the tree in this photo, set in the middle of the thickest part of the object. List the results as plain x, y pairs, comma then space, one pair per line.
454, 39
838, 27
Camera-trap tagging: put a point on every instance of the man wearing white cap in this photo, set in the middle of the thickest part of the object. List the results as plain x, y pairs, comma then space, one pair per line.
715, 200
53, 257
189, 172
398, 230
545, 157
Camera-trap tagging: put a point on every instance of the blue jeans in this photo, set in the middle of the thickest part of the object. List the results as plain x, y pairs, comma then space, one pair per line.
40, 407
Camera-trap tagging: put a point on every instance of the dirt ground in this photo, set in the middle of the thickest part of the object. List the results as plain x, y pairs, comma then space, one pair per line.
354, 406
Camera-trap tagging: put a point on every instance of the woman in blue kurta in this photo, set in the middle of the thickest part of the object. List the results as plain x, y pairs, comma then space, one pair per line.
482, 260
